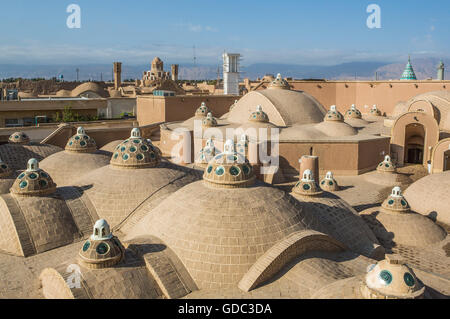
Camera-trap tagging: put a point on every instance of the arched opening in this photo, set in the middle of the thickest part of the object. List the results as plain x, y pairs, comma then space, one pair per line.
414, 143
447, 160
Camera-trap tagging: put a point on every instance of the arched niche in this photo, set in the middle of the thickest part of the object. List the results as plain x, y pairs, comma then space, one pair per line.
412, 133
440, 157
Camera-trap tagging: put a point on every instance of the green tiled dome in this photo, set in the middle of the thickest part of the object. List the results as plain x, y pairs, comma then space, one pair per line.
408, 74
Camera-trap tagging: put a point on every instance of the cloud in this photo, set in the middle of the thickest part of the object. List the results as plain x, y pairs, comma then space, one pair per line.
432, 28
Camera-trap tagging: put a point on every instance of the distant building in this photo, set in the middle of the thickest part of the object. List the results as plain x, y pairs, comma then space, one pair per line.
157, 71
440, 71
231, 73
408, 74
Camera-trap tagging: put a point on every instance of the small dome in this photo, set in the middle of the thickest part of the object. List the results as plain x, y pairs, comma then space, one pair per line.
353, 113
5, 170
375, 111
81, 143
202, 111
19, 138
206, 154
333, 115
209, 121
307, 185
242, 145
136, 152
33, 182
391, 279
279, 83
386, 165
259, 115
102, 249
329, 184
229, 169
396, 202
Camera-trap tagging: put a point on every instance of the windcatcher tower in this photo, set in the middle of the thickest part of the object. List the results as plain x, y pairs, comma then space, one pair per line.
231, 63
117, 75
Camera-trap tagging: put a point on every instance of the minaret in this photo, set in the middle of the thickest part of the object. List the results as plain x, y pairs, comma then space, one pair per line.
408, 74
440, 71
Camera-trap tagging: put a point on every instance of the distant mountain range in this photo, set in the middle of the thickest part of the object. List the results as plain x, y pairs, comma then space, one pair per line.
424, 68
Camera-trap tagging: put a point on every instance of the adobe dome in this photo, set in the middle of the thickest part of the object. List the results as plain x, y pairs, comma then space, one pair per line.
334, 115
336, 217
136, 152
391, 279
283, 107
202, 110
19, 138
386, 175
353, 113
399, 109
63, 93
394, 224
33, 182
335, 128
229, 169
206, 154
440, 100
102, 249
78, 159
328, 183
374, 111
119, 189
429, 196
81, 142
17, 155
386, 165
89, 87
259, 115
279, 83
209, 121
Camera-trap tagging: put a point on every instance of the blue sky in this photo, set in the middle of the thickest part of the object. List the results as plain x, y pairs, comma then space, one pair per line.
321, 32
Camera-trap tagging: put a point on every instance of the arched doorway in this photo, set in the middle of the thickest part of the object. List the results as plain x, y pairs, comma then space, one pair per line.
414, 142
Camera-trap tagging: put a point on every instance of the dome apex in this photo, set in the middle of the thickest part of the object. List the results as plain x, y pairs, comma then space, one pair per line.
334, 115
202, 110
353, 113
386, 165
229, 169
279, 83
33, 182
375, 111
329, 184
81, 142
209, 121
5, 170
19, 138
136, 152
259, 115
396, 202
307, 185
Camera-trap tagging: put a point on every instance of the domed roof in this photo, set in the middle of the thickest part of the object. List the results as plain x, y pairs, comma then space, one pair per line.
33, 182
440, 101
136, 152
229, 169
209, 121
5, 170
353, 113
88, 87
283, 107
63, 93
81, 143
400, 108
394, 224
279, 83
391, 278
259, 115
19, 138
396, 202
429, 196
206, 154
329, 184
386, 165
102, 249
220, 233
307, 185
374, 111
335, 128
156, 60
17, 155
202, 110
333, 115
408, 73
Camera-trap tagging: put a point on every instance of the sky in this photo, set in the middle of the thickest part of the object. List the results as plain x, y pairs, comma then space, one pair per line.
320, 32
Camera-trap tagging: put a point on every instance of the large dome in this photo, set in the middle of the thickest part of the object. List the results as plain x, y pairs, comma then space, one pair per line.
283, 107
429, 196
